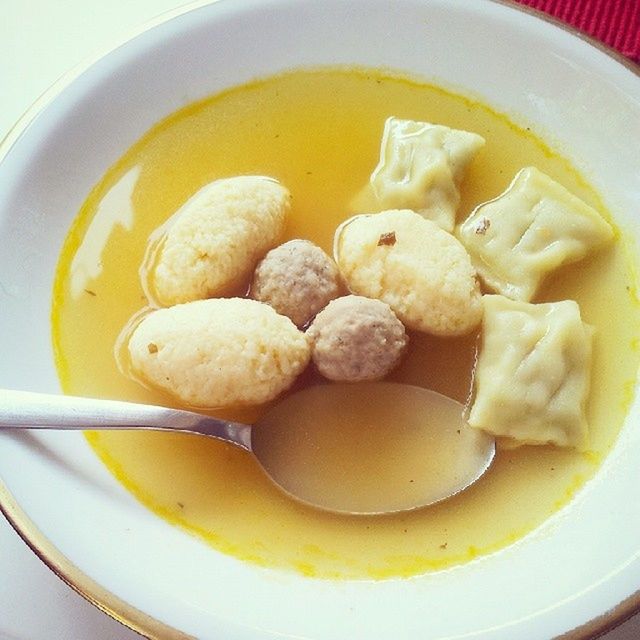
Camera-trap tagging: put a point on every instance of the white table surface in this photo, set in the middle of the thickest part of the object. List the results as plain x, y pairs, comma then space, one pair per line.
39, 41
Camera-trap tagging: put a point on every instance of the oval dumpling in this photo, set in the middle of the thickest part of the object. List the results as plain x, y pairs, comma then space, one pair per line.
221, 352
422, 272
215, 239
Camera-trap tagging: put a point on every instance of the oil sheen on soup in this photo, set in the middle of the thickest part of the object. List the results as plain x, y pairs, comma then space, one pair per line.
318, 132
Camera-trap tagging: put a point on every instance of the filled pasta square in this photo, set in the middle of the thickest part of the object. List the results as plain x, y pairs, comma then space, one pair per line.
534, 227
533, 372
421, 167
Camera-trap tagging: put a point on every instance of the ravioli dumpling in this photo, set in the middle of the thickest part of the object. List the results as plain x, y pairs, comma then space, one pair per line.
535, 226
533, 372
421, 167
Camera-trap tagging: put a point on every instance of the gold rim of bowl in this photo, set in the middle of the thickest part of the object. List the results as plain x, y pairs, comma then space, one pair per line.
108, 602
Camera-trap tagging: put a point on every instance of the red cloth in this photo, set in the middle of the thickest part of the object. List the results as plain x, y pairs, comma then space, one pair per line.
614, 22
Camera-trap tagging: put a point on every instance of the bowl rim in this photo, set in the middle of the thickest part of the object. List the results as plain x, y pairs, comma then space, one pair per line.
48, 553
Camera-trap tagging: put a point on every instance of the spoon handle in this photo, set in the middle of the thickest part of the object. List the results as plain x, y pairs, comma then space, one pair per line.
26, 409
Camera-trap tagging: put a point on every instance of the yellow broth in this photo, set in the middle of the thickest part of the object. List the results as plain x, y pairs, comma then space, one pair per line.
319, 133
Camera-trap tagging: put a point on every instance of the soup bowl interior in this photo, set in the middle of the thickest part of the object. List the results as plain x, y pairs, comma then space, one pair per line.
578, 566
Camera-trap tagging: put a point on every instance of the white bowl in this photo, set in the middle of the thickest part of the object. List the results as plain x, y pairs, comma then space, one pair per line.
575, 569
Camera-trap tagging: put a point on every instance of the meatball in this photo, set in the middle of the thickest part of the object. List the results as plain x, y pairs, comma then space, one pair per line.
422, 272
218, 353
297, 279
215, 239
356, 338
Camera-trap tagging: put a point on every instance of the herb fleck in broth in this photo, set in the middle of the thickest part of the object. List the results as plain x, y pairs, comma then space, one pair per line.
318, 132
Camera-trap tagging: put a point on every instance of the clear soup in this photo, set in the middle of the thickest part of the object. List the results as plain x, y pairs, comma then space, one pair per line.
318, 131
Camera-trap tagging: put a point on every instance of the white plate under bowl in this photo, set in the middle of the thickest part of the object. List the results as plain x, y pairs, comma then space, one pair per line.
576, 567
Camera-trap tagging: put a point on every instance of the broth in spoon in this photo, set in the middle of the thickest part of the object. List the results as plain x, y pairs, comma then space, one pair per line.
370, 447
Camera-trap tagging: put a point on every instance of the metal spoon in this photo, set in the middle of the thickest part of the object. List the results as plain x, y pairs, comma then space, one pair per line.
365, 448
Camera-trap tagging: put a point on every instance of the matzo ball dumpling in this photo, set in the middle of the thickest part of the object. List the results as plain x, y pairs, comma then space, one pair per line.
422, 272
218, 353
215, 239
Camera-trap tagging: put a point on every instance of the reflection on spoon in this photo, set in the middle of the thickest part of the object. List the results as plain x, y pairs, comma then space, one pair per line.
355, 448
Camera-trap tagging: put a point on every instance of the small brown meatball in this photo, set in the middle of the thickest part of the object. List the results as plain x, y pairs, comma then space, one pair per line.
356, 338
297, 279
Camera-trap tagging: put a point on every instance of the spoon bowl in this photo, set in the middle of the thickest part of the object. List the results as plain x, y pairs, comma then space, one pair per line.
368, 448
